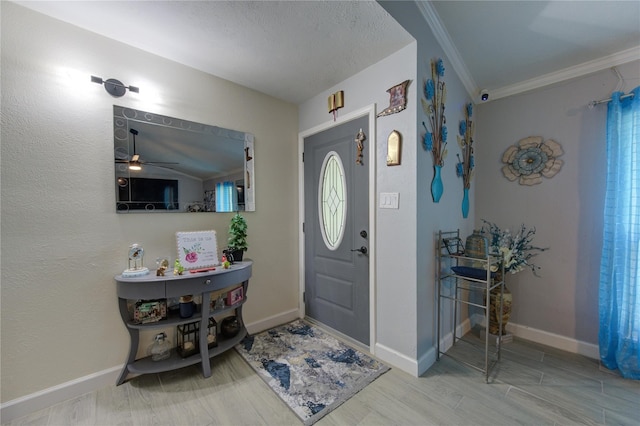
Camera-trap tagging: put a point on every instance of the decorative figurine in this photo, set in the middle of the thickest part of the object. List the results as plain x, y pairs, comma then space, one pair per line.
178, 269
360, 137
163, 265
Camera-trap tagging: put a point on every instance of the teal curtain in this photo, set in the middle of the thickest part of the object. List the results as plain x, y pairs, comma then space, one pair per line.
169, 196
226, 199
619, 298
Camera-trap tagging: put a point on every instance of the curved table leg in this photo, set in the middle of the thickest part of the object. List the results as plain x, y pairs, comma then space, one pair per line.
133, 347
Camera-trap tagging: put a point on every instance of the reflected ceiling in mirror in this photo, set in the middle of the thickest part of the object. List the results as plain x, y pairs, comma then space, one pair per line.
166, 164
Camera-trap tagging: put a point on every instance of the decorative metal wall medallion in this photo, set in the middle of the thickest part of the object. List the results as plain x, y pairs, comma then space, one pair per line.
531, 159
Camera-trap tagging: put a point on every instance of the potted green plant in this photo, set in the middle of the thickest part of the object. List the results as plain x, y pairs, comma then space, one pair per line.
237, 237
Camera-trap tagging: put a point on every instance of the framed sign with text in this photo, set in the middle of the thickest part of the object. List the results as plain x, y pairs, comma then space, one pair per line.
197, 250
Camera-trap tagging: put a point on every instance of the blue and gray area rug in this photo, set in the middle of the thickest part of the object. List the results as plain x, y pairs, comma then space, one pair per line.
310, 370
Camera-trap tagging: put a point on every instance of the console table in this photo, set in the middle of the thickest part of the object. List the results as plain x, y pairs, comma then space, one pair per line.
149, 287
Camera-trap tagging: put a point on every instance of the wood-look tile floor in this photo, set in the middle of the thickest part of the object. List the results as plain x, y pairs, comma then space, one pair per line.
532, 385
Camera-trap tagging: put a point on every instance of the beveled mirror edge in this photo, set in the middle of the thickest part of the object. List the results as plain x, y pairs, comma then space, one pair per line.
122, 113
250, 184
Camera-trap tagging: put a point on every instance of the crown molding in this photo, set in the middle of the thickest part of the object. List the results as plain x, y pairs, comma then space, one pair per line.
442, 37
579, 70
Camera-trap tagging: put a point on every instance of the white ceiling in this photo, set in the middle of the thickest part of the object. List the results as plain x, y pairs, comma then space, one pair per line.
512, 46
294, 50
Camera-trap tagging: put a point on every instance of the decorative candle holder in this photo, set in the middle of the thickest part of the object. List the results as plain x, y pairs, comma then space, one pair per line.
212, 333
188, 342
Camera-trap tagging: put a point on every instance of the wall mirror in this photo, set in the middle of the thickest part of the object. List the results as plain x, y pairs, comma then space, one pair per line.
166, 164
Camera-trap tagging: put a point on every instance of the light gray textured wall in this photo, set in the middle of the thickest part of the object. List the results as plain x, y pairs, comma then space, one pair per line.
395, 229
62, 241
406, 237
431, 217
566, 210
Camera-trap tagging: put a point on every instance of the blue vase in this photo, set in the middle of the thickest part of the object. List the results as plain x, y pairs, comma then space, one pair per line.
465, 203
436, 185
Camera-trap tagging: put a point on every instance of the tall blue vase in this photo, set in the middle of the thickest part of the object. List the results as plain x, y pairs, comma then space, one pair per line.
465, 203
436, 185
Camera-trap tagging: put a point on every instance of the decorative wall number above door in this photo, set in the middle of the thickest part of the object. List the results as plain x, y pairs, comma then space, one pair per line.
530, 159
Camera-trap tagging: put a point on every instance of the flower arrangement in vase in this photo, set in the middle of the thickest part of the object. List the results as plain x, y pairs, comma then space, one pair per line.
435, 139
516, 252
464, 168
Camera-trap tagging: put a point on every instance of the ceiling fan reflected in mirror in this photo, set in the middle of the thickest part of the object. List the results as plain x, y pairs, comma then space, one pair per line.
135, 163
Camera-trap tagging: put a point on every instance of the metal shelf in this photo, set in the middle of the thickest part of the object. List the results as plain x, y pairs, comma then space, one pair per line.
463, 287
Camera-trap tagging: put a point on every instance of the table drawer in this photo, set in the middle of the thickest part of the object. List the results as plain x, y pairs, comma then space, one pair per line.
208, 282
141, 290
196, 285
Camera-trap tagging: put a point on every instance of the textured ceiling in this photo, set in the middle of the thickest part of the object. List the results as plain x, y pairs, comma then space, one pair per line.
291, 50
294, 50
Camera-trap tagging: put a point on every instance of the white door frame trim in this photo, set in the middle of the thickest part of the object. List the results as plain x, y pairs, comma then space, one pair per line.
370, 147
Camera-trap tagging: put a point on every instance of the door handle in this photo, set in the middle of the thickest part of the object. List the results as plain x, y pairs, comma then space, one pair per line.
362, 250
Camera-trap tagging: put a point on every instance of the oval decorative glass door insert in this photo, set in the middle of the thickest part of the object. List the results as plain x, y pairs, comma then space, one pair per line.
332, 200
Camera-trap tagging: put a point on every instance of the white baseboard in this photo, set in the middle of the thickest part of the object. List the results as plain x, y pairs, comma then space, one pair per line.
447, 340
426, 361
27, 404
557, 341
273, 321
416, 367
396, 359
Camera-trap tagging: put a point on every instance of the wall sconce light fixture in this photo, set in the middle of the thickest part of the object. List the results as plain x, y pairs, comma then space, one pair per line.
335, 102
114, 87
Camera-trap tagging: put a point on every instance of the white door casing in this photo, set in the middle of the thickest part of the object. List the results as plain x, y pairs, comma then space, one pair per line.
370, 156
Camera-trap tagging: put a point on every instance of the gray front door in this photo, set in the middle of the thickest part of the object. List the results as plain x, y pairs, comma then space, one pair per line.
336, 222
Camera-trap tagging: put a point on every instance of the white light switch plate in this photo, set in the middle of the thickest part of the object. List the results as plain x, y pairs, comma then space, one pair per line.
389, 200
